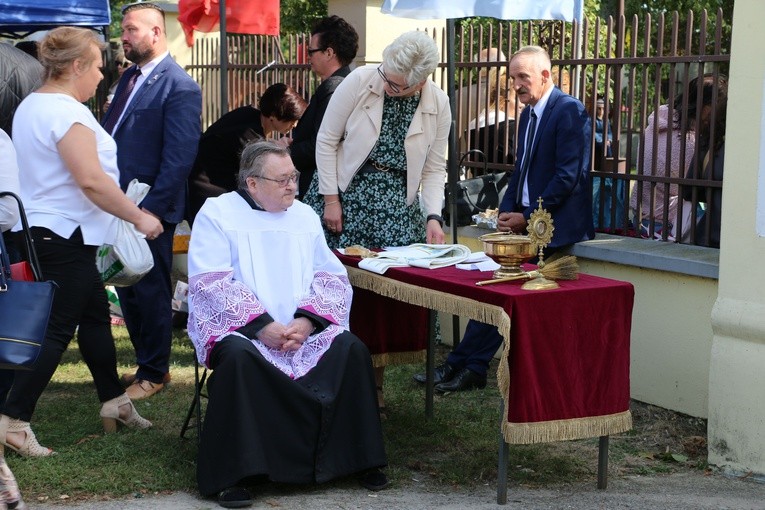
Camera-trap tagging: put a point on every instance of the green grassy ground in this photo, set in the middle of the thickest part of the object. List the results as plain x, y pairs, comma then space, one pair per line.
457, 448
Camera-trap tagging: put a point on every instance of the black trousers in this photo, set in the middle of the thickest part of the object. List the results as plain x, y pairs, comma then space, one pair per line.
321, 426
147, 310
79, 302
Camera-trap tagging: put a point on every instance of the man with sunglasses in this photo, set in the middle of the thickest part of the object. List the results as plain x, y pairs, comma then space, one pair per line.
155, 120
332, 48
120, 65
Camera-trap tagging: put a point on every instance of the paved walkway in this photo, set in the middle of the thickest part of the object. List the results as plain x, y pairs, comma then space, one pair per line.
687, 491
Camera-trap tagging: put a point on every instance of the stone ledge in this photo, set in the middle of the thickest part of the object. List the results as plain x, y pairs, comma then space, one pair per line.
659, 255
631, 251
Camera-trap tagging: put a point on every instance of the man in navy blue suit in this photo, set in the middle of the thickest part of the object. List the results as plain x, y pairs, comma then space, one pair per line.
554, 162
155, 118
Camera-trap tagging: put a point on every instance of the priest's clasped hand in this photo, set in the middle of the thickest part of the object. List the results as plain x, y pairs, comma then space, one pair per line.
286, 337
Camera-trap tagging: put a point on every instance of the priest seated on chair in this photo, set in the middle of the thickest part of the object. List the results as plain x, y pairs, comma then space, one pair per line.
292, 396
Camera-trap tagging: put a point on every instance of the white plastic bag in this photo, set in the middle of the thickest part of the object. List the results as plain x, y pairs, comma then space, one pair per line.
180, 302
129, 258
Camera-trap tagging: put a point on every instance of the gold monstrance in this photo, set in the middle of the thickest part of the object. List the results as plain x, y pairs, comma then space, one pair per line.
540, 228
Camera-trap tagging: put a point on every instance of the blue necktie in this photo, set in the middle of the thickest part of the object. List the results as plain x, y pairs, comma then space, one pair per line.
120, 101
530, 132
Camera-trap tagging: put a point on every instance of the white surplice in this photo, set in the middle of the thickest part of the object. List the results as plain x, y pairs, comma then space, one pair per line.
245, 262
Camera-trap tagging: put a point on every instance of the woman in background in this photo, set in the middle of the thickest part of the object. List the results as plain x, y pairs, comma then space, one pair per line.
708, 164
217, 163
69, 185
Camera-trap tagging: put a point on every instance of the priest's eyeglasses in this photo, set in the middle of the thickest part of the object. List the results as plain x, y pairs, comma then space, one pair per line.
282, 182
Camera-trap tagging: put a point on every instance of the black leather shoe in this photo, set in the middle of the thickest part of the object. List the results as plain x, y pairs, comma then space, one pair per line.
462, 381
442, 373
374, 480
235, 497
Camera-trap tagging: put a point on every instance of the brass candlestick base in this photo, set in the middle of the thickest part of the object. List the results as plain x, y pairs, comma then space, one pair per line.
540, 283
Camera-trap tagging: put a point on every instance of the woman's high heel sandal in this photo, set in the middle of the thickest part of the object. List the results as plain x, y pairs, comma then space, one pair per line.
30, 447
10, 497
110, 415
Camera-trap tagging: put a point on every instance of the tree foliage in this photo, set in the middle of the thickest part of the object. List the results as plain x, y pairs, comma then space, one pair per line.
297, 16
656, 8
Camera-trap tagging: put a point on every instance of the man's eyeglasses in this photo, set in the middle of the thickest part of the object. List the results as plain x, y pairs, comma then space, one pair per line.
311, 51
282, 182
395, 87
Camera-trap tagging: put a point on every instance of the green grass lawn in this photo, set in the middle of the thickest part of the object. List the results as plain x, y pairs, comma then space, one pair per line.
457, 448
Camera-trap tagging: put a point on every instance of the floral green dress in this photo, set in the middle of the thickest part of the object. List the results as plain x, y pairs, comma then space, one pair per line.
376, 215
375, 212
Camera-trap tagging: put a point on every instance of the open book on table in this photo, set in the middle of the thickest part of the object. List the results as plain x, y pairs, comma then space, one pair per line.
428, 256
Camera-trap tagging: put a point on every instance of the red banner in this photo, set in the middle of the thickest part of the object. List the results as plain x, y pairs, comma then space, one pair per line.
242, 17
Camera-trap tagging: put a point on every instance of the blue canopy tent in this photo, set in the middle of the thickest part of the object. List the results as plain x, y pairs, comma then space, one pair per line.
19, 18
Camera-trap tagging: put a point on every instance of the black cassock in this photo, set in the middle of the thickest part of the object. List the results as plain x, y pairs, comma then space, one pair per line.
259, 421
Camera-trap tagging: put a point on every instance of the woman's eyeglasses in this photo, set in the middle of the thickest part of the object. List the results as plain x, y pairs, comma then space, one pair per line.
282, 182
395, 87
123, 65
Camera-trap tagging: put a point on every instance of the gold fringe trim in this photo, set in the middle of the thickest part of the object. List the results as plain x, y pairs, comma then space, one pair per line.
514, 433
432, 299
565, 430
398, 358
442, 302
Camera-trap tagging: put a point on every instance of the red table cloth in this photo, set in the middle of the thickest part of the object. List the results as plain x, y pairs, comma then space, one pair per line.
564, 373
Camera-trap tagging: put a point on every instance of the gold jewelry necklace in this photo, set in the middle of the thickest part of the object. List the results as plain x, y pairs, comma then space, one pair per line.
63, 89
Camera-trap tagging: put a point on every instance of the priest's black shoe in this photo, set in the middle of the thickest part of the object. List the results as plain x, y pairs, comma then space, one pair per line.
442, 373
235, 497
373, 480
462, 381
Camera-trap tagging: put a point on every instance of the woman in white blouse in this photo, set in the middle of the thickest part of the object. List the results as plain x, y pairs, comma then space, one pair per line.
68, 179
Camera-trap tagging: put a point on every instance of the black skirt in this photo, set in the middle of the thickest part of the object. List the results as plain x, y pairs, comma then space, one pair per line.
259, 421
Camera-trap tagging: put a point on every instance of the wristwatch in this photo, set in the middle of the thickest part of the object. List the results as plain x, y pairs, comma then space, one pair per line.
436, 217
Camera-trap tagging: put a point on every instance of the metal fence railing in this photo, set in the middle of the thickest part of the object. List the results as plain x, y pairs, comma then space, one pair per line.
635, 67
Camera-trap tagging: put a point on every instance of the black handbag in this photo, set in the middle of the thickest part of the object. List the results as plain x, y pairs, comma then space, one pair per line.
474, 195
24, 306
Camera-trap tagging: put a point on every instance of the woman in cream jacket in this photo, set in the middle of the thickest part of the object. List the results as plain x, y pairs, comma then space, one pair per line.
383, 139
380, 157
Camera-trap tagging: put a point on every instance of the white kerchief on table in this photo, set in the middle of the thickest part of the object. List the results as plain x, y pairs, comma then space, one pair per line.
428, 256
478, 261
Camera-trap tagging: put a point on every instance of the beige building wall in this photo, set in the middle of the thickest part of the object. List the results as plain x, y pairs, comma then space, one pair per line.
671, 335
737, 369
376, 30
176, 39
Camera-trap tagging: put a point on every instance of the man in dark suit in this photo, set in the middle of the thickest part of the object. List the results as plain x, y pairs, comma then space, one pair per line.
155, 118
332, 47
554, 157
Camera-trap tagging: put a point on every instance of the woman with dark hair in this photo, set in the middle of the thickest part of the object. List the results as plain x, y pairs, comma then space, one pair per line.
666, 148
708, 162
217, 162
